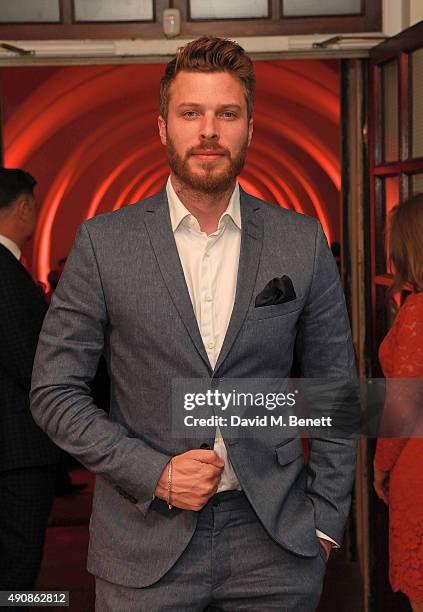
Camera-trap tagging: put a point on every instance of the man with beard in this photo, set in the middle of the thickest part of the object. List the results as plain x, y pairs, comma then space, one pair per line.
200, 281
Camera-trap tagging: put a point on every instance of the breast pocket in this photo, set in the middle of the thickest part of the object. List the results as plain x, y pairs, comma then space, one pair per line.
276, 310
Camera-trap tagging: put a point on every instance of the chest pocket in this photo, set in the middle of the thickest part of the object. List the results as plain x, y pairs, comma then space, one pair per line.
276, 310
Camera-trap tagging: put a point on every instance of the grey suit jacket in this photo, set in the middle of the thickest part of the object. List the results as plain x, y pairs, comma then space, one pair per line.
123, 294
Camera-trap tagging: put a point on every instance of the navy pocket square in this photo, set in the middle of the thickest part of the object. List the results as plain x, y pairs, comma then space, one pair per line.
277, 291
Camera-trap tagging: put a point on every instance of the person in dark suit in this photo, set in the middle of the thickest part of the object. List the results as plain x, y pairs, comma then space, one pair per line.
27, 457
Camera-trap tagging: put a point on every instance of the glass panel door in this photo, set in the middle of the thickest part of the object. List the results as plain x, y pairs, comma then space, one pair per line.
110, 10
235, 9
29, 11
389, 82
311, 8
417, 183
417, 103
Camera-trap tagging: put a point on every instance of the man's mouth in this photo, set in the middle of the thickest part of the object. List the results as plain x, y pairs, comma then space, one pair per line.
208, 155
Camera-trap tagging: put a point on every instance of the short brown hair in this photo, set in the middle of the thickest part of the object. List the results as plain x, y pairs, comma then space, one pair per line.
210, 54
406, 244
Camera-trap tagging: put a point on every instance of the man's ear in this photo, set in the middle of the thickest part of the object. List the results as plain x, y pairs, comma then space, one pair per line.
21, 206
162, 130
250, 130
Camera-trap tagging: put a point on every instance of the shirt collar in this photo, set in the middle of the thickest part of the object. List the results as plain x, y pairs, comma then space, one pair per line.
178, 211
11, 246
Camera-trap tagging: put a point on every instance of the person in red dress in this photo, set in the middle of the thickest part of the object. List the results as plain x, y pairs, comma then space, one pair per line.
398, 463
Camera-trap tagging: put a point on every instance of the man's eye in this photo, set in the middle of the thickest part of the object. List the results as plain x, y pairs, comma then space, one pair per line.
228, 115
189, 114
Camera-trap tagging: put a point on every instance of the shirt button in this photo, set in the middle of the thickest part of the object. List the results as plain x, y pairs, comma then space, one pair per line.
208, 298
206, 254
210, 345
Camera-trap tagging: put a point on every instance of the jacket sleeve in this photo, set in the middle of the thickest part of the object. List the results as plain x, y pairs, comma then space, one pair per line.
326, 353
70, 346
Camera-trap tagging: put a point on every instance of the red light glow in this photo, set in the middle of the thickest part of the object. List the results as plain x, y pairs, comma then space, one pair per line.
89, 136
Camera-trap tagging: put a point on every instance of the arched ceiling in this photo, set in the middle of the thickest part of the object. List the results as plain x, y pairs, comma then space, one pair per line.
89, 136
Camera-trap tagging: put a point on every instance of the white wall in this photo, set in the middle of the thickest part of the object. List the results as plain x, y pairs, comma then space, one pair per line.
416, 11
400, 14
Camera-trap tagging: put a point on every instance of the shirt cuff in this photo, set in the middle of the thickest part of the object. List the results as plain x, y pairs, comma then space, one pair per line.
322, 535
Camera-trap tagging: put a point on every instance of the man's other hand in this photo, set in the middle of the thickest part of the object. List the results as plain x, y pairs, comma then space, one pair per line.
195, 478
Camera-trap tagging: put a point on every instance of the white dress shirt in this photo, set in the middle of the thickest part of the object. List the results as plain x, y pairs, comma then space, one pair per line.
10, 246
210, 265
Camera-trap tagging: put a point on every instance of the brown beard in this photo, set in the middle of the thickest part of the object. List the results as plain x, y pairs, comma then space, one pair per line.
212, 181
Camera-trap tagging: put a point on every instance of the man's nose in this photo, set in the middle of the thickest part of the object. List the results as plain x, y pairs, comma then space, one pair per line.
209, 128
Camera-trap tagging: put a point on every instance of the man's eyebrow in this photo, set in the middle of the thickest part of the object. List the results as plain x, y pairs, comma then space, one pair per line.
238, 106
188, 104
197, 105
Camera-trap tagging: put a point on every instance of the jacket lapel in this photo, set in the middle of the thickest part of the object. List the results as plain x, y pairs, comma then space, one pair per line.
249, 259
157, 220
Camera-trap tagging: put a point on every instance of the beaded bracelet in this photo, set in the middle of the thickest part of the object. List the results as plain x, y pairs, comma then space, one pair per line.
169, 485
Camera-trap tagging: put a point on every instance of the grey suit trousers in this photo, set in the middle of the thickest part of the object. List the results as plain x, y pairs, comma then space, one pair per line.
231, 564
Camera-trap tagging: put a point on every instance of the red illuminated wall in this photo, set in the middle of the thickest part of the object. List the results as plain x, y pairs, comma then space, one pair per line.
89, 136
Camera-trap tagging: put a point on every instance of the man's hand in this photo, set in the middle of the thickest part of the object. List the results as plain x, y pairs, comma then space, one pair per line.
195, 478
327, 545
381, 485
